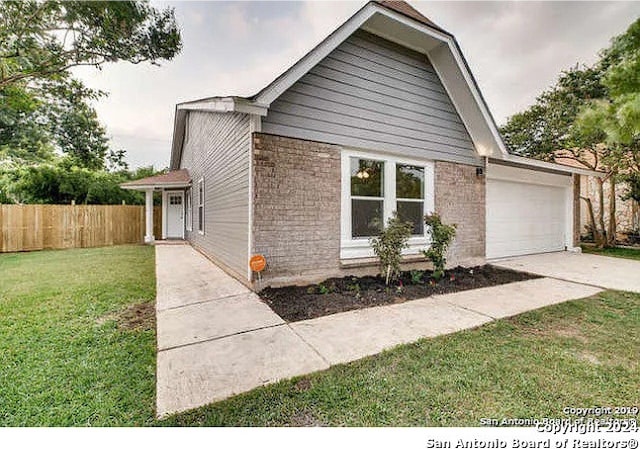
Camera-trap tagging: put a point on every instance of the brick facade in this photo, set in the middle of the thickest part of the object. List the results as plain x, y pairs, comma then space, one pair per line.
296, 211
460, 200
296, 206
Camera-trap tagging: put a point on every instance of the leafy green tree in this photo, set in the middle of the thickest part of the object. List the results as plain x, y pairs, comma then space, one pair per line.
548, 125
52, 117
615, 119
23, 137
63, 182
43, 39
43, 109
74, 124
592, 114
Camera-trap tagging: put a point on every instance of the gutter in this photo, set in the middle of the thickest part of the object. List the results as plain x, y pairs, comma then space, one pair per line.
525, 162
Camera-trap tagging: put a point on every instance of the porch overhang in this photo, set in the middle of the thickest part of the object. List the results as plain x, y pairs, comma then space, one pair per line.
157, 187
175, 179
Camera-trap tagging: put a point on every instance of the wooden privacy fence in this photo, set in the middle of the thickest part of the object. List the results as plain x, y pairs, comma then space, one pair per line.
42, 226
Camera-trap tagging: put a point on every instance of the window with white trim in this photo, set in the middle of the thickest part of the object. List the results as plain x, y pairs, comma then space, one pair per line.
201, 206
410, 195
367, 196
376, 186
188, 211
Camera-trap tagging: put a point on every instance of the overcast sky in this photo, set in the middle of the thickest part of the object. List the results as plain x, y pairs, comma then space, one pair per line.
515, 50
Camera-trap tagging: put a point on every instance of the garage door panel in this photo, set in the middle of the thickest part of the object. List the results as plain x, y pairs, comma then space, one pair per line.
524, 218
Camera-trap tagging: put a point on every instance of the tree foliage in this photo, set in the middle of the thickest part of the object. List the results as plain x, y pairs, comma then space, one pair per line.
591, 116
44, 111
64, 182
43, 39
548, 125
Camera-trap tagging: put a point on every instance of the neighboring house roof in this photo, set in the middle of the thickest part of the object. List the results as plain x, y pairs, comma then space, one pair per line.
398, 22
566, 157
174, 178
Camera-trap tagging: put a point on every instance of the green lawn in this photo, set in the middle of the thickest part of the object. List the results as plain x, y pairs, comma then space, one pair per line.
626, 253
70, 356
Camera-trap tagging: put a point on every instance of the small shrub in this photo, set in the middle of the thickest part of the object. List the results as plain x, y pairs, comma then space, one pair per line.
323, 290
441, 237
416, 277
388, 246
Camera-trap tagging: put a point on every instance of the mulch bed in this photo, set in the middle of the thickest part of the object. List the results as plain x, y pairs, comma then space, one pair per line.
337, 295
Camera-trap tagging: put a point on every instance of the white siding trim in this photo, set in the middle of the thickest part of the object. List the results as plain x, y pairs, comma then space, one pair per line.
188, 209
357, 248
201, 204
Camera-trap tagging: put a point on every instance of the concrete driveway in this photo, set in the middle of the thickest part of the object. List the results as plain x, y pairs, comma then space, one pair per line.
600, 271
217, 339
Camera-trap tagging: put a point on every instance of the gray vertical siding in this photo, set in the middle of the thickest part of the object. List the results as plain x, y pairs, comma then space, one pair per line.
371, 93
217, 148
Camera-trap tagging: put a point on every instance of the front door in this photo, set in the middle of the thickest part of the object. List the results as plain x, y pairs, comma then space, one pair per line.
175, 215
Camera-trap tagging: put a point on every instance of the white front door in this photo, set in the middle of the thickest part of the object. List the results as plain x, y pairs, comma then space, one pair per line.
175, 215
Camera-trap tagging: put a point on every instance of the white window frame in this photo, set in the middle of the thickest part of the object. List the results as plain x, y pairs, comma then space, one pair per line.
353, 248
188, 209
201, 203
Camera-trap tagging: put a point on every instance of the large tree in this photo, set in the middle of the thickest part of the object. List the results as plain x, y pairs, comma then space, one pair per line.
42, 39
42, 107
548, 131
591, 116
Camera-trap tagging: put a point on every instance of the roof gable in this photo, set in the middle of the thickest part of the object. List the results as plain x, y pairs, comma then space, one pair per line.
397, 22
372, 93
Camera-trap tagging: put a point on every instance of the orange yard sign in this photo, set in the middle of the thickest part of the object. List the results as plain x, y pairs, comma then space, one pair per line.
257, 263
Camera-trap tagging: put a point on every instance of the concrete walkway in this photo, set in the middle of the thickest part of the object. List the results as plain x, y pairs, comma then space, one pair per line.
217, 339
591, 269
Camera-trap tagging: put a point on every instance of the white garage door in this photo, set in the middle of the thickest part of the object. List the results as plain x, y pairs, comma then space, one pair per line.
527, 212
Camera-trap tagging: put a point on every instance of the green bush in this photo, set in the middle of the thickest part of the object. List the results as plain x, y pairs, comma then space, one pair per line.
388, 246
416, 277
62, 183
441, 237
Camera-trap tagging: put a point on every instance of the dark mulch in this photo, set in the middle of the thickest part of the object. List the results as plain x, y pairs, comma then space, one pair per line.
341, 294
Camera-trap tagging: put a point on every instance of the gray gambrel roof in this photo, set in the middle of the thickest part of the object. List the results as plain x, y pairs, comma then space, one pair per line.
398, 22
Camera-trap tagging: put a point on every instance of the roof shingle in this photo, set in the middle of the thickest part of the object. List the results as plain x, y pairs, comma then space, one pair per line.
407, 10
173, 177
